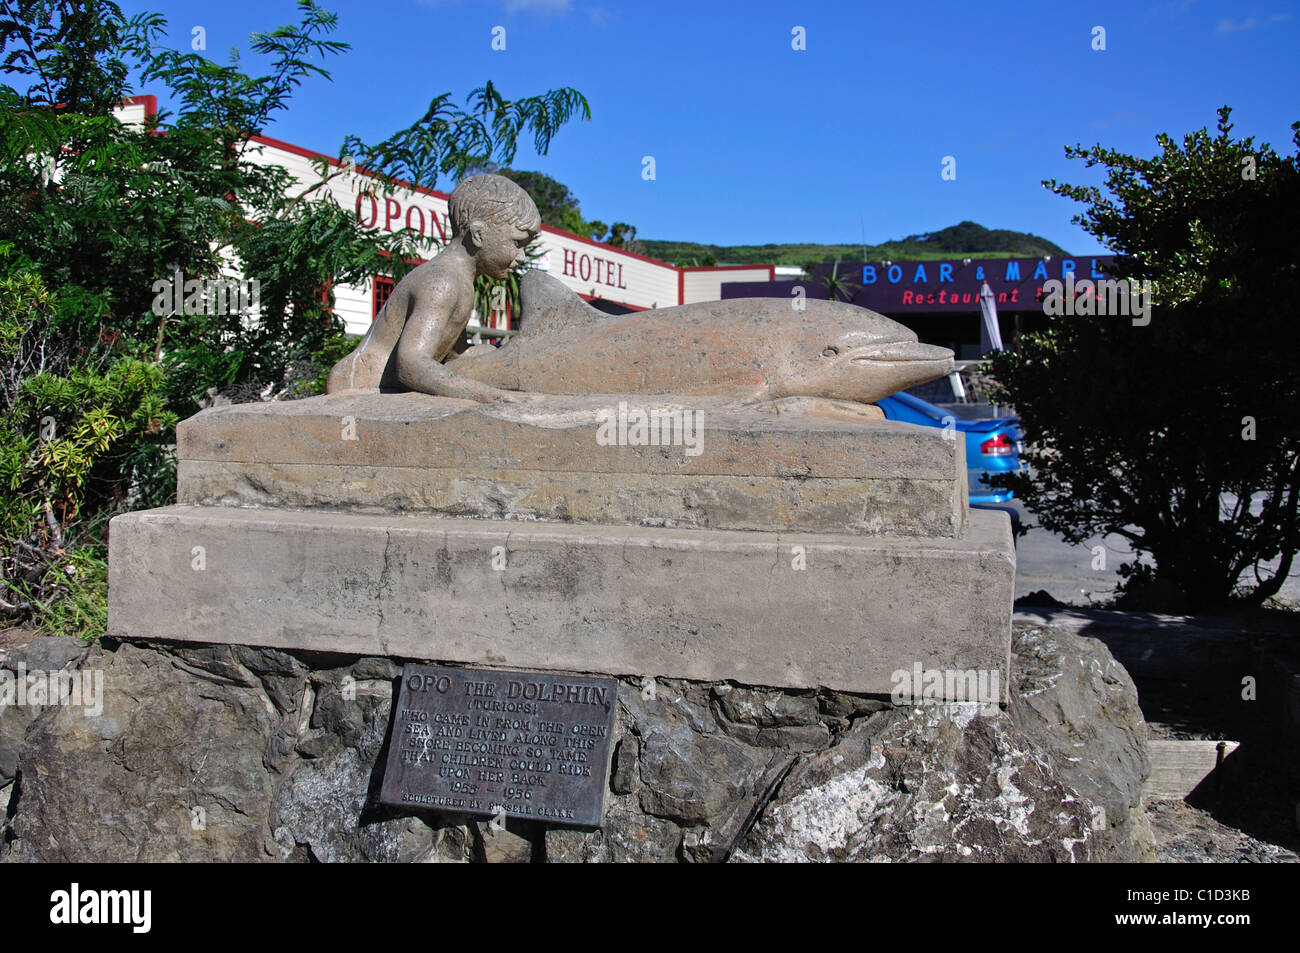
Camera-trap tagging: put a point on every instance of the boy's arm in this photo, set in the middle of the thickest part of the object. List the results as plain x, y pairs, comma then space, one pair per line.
418, 366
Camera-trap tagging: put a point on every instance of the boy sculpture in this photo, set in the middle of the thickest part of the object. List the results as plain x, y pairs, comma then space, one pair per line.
492, 221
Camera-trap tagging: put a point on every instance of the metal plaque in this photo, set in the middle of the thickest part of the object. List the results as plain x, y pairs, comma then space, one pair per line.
520, 744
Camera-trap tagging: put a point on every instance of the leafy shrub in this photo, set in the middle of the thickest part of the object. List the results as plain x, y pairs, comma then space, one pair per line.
1181, 434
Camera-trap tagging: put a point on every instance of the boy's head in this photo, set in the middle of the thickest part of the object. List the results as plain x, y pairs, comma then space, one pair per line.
497, 219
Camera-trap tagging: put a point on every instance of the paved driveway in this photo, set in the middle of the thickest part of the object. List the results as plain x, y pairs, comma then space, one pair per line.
1045, 561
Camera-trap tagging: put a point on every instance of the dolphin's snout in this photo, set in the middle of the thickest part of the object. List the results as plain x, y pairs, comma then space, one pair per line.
903, 351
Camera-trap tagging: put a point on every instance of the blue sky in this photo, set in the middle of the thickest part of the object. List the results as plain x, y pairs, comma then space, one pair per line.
756, 142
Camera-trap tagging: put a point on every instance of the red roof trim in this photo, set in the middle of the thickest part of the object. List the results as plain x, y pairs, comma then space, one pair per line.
312, 154
623, 304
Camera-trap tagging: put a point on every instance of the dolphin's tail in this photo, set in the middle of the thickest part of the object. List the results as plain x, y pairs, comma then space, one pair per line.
547, 305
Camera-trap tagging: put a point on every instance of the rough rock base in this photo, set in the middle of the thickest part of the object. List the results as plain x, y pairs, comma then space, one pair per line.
235, 753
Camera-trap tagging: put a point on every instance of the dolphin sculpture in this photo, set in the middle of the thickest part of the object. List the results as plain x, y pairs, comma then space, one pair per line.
749, 349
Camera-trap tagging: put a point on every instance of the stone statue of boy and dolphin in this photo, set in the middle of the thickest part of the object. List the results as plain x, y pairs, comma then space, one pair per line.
743, 350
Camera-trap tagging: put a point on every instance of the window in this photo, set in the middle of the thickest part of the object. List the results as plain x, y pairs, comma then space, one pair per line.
382, 289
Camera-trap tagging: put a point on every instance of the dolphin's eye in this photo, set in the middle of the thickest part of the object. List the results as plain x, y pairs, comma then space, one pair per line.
830, 351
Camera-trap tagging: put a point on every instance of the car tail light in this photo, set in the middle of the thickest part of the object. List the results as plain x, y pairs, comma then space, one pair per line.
999, 446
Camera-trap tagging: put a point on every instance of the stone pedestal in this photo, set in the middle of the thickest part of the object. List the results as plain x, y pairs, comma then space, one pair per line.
788, 550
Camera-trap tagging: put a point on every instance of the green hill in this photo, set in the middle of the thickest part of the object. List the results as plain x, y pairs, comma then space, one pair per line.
967, 238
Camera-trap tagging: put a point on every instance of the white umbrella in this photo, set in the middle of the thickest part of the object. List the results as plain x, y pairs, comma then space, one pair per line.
990, 333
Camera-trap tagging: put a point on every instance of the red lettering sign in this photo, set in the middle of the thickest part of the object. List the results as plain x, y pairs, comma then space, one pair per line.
419, 211
374, 210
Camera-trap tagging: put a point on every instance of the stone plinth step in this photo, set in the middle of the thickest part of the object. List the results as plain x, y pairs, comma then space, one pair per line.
730, 468
796, 610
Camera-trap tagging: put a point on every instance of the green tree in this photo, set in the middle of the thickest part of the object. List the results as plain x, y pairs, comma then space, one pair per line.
1181, 435
623, 235
837, 288
553, 199
71, 424
971, 238
558, 206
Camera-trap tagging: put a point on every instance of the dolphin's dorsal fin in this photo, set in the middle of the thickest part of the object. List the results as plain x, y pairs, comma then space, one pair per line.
547, 305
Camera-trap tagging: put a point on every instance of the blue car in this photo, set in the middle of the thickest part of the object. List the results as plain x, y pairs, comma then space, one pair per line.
992, 446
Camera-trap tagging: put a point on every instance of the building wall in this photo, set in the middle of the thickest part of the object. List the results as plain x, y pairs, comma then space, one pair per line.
705, 284
603, 271
134, 111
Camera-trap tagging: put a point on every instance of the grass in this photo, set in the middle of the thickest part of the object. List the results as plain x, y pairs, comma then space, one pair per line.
78, 604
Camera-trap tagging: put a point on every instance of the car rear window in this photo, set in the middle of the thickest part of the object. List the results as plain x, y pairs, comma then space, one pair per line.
935, 392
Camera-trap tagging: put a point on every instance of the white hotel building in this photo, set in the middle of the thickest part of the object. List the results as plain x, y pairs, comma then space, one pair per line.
612, 278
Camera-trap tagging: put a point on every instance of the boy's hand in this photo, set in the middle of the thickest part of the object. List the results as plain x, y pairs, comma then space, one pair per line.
434, 378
